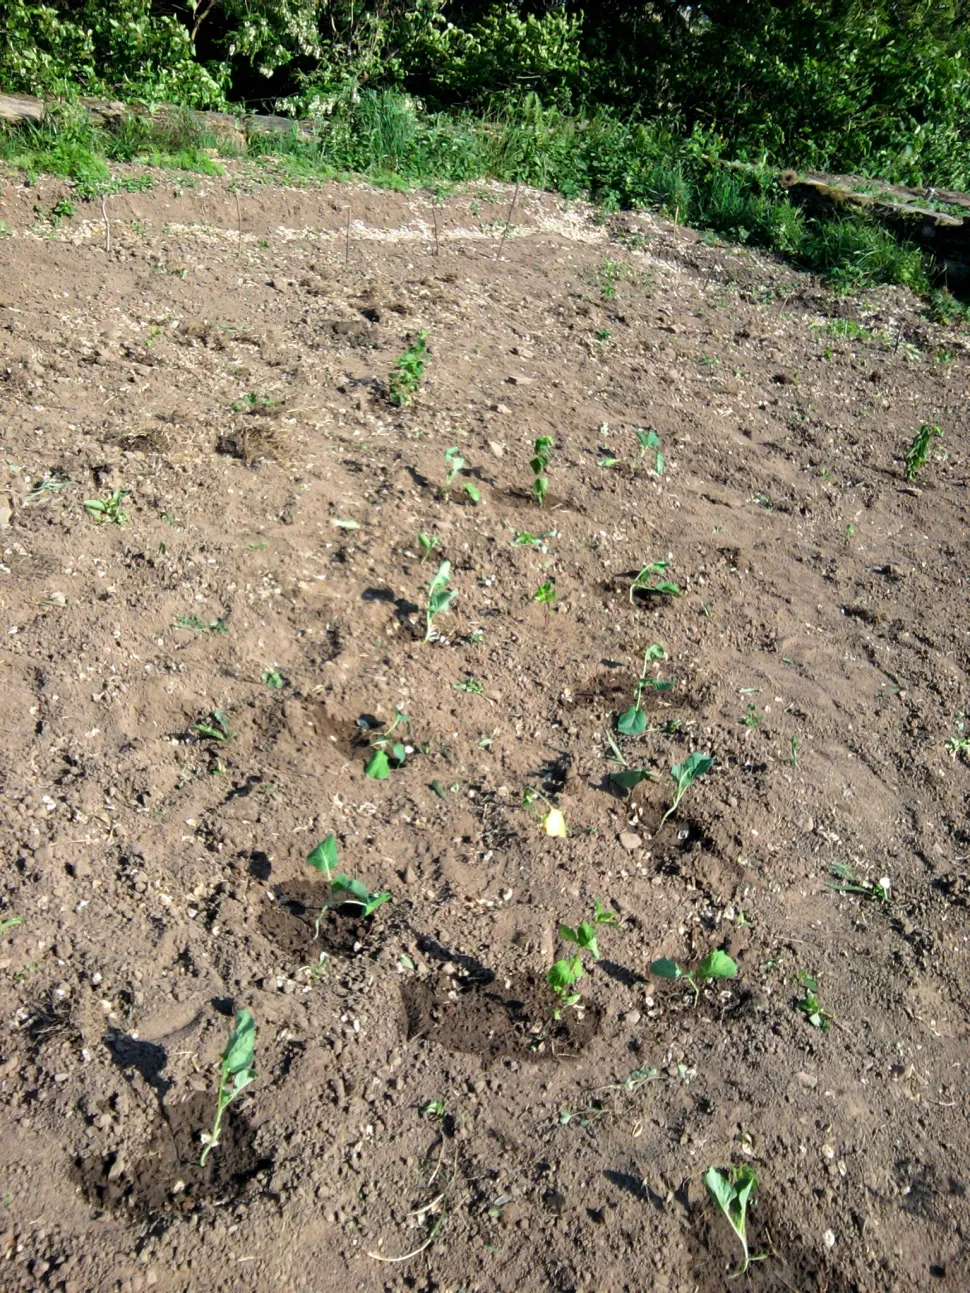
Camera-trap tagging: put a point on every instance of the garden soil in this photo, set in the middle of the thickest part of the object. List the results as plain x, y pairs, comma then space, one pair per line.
419, 1120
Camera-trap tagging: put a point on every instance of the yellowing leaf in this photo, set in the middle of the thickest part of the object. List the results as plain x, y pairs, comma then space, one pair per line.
555, 824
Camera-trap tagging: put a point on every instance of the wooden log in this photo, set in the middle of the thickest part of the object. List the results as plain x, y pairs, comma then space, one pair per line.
21, 109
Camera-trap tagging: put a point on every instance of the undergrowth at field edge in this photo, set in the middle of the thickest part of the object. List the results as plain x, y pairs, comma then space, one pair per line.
391, 140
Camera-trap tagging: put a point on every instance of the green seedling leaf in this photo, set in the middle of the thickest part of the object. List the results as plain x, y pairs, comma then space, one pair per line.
602, 915
645, 581
235, 1073
324, 857
540, 488
108, 511
655, 652
545, 594
584, 936
238, 1055
408, 372
564, 974
427, 543
632, 722
684, 775
440, 597
810, 1006
215, 727
441, 579
666, 969
694, 766
717, 965
472, 491
346, 890
440, 601
524, 539
378, 766
454, 463
11, 922
630, 778
732, 1192
275, 679
919, 451
554, 824
851, 883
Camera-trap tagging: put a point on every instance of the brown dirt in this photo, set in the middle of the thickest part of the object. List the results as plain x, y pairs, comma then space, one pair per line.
162, 880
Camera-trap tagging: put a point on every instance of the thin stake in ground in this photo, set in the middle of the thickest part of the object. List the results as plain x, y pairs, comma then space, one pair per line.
347, 252
107, 226
508, 221
434, 216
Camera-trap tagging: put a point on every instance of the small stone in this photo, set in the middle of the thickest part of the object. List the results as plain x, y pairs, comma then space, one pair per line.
630, 841
520, 381
410, 876
632, 1017
497, 449
501, 408
806, 1080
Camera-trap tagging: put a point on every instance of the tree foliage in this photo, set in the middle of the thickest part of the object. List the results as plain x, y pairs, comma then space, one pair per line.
882, 85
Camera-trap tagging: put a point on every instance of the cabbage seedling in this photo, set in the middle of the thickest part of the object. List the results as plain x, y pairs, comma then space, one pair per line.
552, 820
684, 775
109, 510
545, 595
561, 977
408, 371
235, 1073
455, 463
567, 971
649, 442
440, 598
539, 463
633, 721
645, 581
584, 935
809, 1004
344, 891
387, 755
215, 727
427, 543
716, 965
917, 453
732, 1191
852, 883
525, 539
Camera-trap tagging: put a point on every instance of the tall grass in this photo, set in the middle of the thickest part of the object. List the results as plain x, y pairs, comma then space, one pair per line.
390, 139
